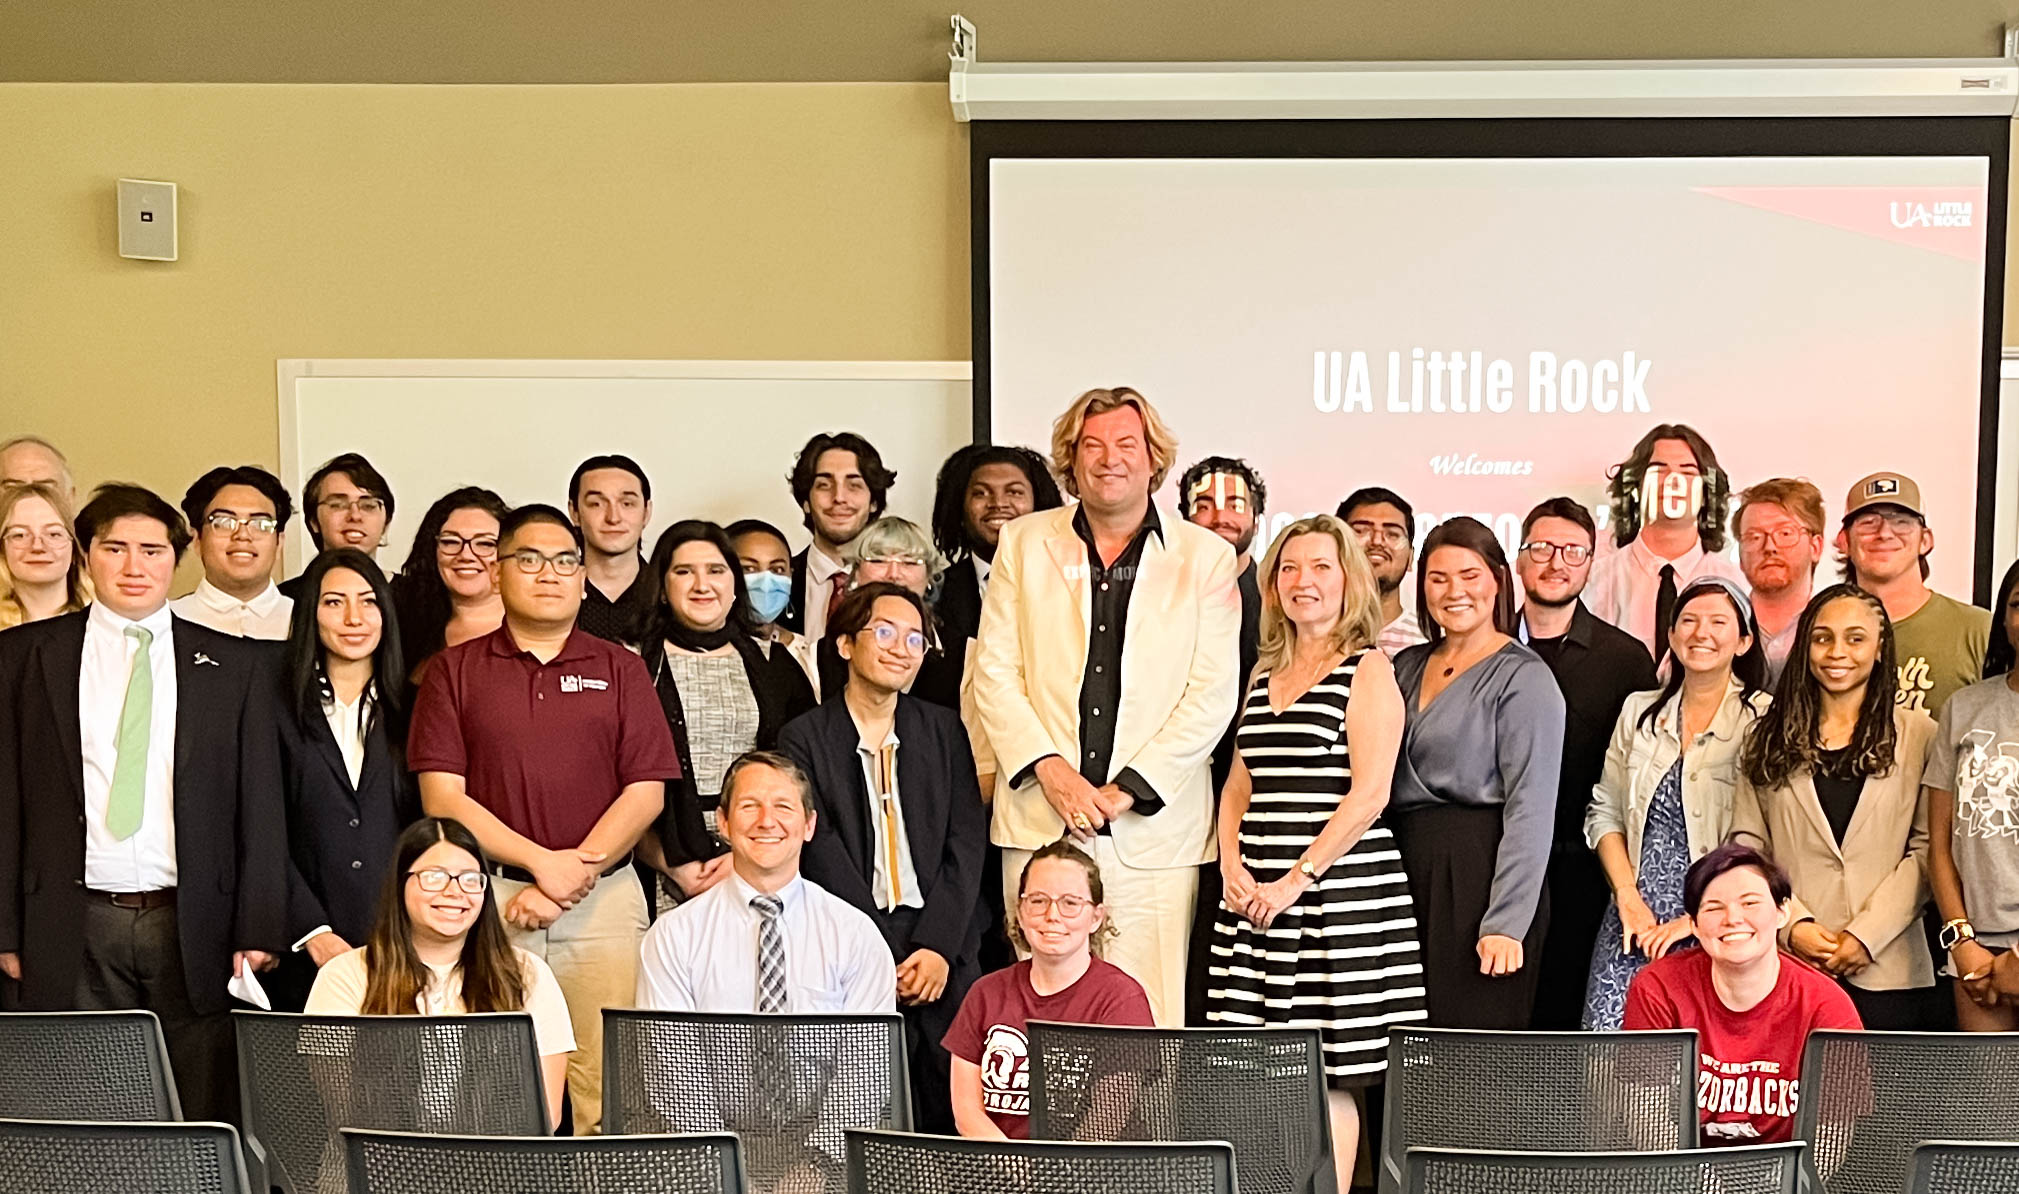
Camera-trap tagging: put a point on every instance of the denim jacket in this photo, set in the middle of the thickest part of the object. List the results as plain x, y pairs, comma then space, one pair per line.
1640, 755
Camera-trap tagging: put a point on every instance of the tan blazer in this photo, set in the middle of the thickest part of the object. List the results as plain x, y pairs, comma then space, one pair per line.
1179, 655
1875, 884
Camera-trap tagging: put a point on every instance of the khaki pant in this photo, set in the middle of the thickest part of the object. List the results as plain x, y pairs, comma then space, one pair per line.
593, 952
1151, 910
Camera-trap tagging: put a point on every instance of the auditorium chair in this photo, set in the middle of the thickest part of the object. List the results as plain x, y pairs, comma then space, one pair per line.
120, 1158
1963, 1167
899, 1163
423, 1163
85, 1066
1750, 1169
305, 1078
1554, 1091
1868, 1098
1260, 1089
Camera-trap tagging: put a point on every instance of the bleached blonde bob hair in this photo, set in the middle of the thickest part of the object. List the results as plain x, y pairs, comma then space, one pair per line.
1360, 608
1068, 427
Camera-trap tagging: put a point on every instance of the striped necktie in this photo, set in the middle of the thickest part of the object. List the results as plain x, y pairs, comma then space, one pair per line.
770, 954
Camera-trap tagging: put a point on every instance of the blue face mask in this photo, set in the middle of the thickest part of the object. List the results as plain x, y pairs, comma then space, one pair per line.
770, 593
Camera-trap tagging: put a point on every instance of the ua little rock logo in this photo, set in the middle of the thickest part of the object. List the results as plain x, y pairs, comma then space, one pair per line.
583, 684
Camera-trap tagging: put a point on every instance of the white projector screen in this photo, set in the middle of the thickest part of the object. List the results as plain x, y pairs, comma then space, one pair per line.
1479, 333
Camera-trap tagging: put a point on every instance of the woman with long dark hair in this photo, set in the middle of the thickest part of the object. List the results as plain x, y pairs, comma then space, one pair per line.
438, 948
725, 690
446, 590
345, 778
1664, 798
1831, 788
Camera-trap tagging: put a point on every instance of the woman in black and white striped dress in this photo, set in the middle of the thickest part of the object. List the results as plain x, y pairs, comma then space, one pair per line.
1315, 928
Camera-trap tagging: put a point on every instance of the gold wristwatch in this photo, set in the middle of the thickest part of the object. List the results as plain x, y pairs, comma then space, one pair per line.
1955, 933
1305, 869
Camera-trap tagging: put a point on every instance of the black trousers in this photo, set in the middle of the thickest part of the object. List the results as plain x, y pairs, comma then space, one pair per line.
133, 959
1578, 897
929, 1066
1449, 853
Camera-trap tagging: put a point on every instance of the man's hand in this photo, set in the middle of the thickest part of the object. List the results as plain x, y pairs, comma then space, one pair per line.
251, 959
1071, 797
698, 876
921, 978
325, 946
1849, 957
1499, 956
532, 910
1113, 801
566, 876
1812, 943
10, 965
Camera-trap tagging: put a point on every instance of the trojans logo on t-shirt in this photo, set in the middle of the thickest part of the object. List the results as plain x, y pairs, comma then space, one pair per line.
1006, 1072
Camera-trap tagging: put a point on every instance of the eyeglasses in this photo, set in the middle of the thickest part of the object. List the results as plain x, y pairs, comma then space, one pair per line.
1572, 553
1783, 536
23, 536
1901, 524
227, 523
365, 504
1373, 530
1037, 903
484, 547
894, 561
530, 562
437, 879
887, 638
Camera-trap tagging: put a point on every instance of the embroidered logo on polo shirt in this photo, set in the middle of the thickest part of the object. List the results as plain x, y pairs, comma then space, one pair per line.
583, 684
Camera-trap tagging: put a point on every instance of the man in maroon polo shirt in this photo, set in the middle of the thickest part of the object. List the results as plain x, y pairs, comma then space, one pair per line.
550, 744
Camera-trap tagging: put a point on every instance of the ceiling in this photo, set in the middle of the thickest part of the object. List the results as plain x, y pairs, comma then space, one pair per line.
673, 41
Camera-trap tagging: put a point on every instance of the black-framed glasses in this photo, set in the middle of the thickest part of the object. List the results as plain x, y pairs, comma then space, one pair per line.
888, 637
436, 879
1037, 903
484, 547
225, 522
364, 504
1541, 552
530, 562
1783, 537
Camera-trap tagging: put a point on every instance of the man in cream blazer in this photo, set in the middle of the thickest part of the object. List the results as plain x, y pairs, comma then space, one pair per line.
1104, 676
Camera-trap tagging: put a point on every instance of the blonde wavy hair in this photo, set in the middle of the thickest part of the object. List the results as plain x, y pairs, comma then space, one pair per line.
891, 535
1068, 427
78, 585
1360, 616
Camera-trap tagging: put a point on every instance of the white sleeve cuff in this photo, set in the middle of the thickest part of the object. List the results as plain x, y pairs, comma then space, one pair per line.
309, 936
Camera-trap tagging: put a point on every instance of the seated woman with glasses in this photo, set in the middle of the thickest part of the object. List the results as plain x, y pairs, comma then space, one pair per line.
896, 550
438, 948
444, 591
1063, 922
41, 570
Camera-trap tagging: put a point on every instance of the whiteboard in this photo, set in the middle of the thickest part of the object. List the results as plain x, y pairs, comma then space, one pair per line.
717, 438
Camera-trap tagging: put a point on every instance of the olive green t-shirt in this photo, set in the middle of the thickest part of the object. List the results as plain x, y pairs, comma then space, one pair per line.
1940, 649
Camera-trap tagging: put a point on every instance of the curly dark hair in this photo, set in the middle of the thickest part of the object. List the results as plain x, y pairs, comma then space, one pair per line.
1258, 493
867, 459
1784, 741
949, 499
1624, 478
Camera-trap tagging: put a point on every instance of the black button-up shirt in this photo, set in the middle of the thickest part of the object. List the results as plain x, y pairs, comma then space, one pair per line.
1597, 666
612, 621
1109, 587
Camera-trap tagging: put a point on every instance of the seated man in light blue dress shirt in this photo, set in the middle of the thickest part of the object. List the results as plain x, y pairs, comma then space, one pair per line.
765, 939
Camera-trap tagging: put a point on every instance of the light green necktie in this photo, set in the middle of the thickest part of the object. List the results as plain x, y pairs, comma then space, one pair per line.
128, 800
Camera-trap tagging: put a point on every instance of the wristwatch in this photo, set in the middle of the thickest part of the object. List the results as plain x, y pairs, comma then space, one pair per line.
1955, 933
1305, 869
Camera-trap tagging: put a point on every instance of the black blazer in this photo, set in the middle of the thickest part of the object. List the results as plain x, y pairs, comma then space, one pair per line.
230, 831
794, 617
783, 693
331, 826
959, 605
943, 818
939, 674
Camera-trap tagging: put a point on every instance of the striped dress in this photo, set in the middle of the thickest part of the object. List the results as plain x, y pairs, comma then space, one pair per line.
1343, 958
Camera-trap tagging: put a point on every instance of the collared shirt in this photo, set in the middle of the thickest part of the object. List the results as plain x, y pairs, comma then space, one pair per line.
1777, 646
347, 726
545, 747
893, 880
981, 570
264, 617
1624, 585
1109, 587
1403, 632
145, 861
607, 619
820, 574
1597, 667
702, 956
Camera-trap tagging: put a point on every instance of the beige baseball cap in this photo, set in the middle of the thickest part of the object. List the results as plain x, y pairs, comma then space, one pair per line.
1884, 489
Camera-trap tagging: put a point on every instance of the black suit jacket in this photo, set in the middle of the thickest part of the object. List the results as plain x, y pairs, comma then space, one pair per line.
943, 818
230, 831
794, 617
959, 604
332, 825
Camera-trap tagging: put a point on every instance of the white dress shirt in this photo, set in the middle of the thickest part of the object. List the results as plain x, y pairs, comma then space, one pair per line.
265, 616
820, 574
981, 571
145, 861
702, 956
1403, 632
1624, 585
893, 880
347, 726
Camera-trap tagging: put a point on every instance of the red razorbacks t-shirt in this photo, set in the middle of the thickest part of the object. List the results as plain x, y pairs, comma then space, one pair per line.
989, 1031
1749, 1080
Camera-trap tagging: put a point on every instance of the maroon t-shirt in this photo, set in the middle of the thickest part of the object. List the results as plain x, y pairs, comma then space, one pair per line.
989, 1031
544, 747
1749, 1077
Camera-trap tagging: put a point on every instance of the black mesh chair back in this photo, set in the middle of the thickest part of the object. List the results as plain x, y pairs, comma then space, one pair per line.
1959, 1167
1553, 1091
415, 1163
789, 1085
120, 1158
85, 1065
1869, 1097
306, 1077
1260, 1089
1752, 1169
898, 1163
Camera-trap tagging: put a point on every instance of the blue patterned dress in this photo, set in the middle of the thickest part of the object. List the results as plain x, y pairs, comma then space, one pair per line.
1664, 860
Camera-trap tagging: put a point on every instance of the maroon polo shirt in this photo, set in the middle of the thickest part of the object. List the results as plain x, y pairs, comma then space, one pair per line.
544, 747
